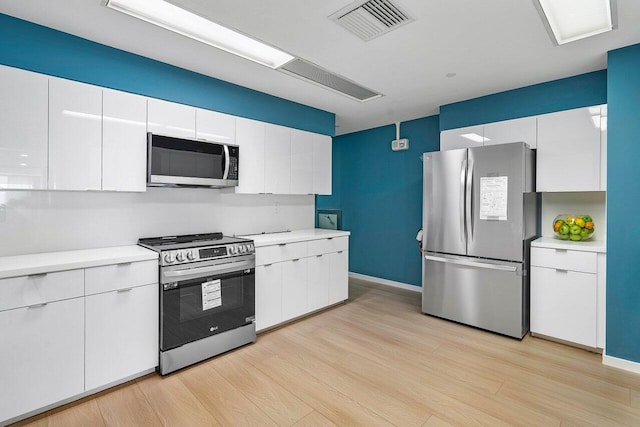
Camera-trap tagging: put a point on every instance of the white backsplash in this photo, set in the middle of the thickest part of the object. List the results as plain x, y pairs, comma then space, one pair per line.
593, 203
46, 221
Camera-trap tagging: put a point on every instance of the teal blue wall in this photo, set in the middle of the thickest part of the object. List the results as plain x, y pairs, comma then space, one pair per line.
573, 92
380, 194
623, 202
36, 48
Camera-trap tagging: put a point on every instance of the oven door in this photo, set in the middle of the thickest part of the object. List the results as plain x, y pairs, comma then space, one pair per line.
204, 299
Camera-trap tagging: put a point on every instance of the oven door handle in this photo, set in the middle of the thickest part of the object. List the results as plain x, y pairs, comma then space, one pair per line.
194, 273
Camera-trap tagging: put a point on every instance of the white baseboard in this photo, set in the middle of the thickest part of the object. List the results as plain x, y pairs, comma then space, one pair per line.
627, 365
386, 282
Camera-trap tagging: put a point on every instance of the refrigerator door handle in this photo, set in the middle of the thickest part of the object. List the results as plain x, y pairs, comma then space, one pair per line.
468, 207
471, 263
463, 174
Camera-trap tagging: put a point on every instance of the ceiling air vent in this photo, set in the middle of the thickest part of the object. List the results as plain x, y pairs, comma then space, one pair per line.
319, 76
372, 18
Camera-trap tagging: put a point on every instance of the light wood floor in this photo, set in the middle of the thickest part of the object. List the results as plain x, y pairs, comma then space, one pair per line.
375, 360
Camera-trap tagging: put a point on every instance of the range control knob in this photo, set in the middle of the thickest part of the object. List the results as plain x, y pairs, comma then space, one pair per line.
233, 250
242, 248
168, 258
191, 255
180, 257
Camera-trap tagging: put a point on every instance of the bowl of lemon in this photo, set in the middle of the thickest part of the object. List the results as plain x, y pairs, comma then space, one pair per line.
574, 228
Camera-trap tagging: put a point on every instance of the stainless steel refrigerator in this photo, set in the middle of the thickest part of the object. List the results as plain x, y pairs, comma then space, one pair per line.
480, 214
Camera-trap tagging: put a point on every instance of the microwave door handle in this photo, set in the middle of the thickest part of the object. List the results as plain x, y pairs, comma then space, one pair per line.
226, 161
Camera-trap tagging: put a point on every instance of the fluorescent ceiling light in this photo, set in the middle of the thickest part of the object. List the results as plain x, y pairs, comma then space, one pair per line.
571, 20
475, 137
181, 21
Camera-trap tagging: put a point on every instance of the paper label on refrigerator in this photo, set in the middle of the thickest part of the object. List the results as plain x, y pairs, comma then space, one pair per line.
493, 198
211, 295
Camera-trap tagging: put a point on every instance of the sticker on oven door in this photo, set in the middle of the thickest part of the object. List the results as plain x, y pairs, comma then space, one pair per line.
211, 295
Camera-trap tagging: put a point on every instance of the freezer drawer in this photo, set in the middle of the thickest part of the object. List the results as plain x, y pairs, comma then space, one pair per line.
492, 295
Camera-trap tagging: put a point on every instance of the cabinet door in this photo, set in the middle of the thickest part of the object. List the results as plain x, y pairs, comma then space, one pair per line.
169, 118
268, 295
563, 305
75, 136
294, 288
277, 160
124, 141
568, 155
318, 278
338, 276
302, 162
23, 129
603, 147
42, 356
121, 334
214, 126
322, 145
472, 136
515, 130
250, 138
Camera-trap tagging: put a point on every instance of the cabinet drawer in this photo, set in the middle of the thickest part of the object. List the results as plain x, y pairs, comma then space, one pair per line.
120, 276
325, 246
563, 305
282, 252
564, 259
25, 291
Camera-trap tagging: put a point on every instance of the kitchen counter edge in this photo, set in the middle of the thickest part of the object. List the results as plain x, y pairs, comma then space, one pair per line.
48, 262
294, 236
598, 246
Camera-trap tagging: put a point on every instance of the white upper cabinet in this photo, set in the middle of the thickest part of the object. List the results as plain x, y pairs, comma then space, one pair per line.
277, 159
214, 126
466, 137
322, 145
603, 147
250, 139
124, 142
507, 131
302, 162
23, 129
568, 157
75, 136
169, 118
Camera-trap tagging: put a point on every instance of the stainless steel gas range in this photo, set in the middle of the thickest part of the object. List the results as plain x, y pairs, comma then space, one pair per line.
207, 296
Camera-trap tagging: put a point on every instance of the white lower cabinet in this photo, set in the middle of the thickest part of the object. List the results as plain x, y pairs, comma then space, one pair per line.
42, 349
121, 334
567, 292
294, 288
71, 332
268, 295
297, 278
338, 276
318, 294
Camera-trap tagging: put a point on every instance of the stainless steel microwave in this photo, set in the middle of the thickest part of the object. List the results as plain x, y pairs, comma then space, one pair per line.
191, 163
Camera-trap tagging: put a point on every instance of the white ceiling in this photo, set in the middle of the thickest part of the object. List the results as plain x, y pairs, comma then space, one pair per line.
491, 45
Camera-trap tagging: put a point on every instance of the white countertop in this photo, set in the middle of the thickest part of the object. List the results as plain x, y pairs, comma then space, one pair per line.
586, 246
294, 236
22, 265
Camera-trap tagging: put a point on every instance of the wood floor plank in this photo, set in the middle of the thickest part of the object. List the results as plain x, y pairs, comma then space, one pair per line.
635, 398
278, 403
361, 390
226, 403
314, 419
126, 406
338, 408
434, 421
174, 403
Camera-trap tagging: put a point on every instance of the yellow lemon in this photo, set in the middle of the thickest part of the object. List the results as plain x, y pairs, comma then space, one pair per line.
580, 222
